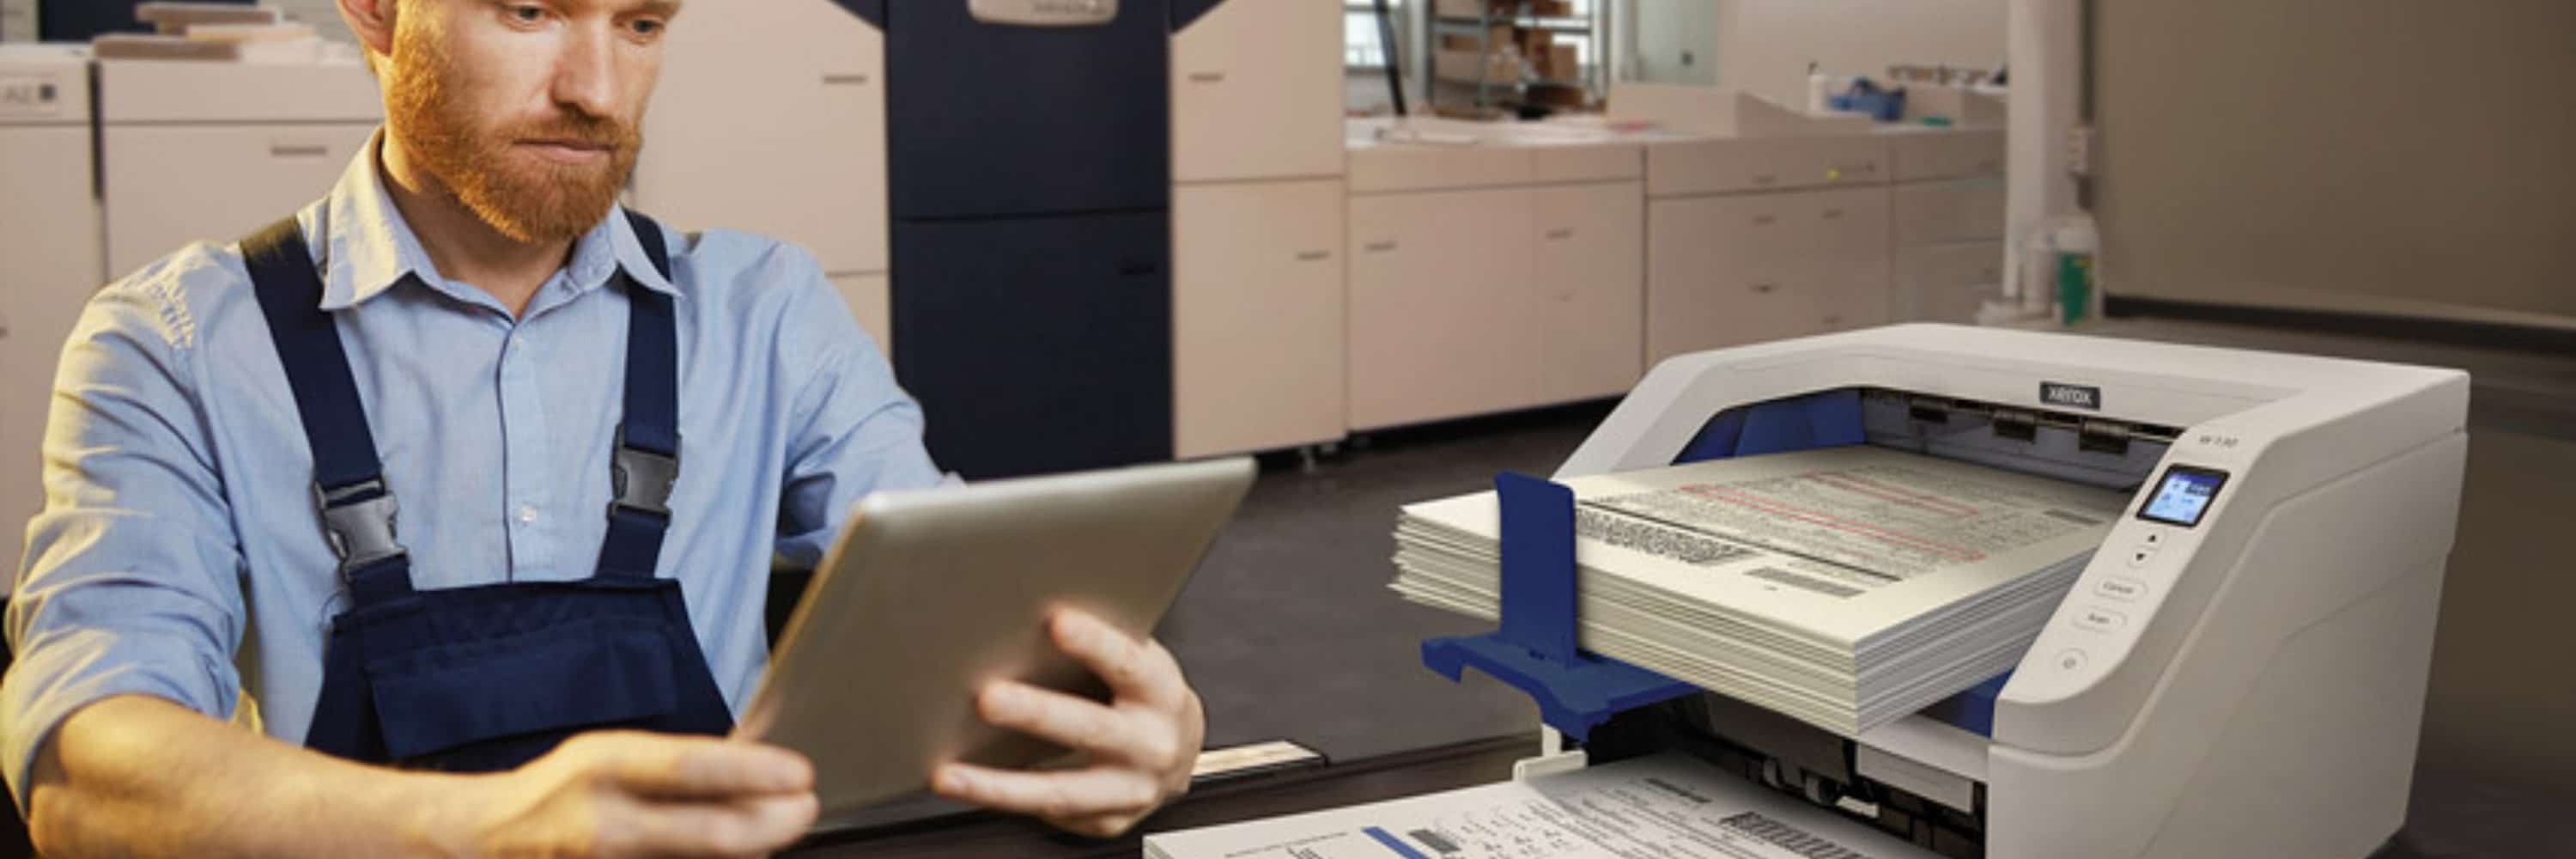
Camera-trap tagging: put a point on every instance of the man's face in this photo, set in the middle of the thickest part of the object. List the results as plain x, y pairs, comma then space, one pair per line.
527, 109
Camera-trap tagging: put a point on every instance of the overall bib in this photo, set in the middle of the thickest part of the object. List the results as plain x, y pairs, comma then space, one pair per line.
489, 677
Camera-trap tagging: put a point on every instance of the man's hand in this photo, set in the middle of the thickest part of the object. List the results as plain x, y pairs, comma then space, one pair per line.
627, 793
1140, 747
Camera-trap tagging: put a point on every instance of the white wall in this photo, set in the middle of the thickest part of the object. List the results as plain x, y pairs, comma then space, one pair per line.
1764, 46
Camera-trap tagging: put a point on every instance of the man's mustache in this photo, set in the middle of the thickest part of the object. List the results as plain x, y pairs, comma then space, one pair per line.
592, 131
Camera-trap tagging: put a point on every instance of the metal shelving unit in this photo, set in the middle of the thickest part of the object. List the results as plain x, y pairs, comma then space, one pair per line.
1487, 88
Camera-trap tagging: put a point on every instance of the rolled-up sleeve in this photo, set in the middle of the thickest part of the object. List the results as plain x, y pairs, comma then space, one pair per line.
131, 583
851, 431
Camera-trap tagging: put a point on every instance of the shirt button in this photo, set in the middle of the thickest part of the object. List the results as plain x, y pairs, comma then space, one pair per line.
527, 514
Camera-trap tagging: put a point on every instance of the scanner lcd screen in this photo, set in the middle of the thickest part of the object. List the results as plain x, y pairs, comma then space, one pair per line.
2184, 496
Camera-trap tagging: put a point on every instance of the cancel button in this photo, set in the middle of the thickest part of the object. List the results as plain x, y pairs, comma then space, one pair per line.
2121, 588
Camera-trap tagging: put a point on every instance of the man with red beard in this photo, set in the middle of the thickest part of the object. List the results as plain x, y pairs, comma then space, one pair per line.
470, 324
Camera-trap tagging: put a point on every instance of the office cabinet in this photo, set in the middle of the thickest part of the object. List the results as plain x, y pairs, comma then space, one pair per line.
213, 151
174, 184
866, 294
1925, 155
1955, 210
772, 121
1589, 274
1730, 270
1746, 164
1257, 92
1441, 324
1948, 210
49, 241
1947, 282
1257, 316
1477, 301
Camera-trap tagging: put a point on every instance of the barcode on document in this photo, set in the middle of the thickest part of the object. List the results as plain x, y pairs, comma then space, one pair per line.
1789, 837
1797, 581
1661, 541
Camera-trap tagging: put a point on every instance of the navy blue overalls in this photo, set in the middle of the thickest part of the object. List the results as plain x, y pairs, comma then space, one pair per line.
486, 678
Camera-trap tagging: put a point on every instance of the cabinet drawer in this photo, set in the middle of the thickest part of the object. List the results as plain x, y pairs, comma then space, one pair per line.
1764, 164
1775, 228
1947, 155
1718, 309
1950, 211
168, 185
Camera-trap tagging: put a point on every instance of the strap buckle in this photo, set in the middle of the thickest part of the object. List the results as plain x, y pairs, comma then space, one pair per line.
642, 479
360, 531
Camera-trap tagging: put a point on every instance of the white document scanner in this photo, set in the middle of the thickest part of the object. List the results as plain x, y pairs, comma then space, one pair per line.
2239, 672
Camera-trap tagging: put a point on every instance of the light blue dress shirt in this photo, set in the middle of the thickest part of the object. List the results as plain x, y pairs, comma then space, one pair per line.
179, 554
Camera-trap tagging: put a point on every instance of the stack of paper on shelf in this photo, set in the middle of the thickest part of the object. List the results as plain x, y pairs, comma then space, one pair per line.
1845, 587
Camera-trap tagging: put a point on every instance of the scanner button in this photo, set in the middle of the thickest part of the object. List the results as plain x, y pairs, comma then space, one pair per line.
2101, 619
2139, 556
2070, 660
2121, 588
2155, 538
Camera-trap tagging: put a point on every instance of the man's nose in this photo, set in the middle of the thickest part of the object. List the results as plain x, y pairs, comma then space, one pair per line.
586, 73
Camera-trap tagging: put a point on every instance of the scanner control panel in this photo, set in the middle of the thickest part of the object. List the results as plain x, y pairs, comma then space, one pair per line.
2129, 576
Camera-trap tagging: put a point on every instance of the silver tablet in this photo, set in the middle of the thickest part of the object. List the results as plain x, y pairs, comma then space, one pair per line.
930, 594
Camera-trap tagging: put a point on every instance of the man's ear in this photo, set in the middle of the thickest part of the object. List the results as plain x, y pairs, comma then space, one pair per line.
373, 22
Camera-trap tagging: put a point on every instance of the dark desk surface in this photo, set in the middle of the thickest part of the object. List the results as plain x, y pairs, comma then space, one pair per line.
2448, 820
1292, 792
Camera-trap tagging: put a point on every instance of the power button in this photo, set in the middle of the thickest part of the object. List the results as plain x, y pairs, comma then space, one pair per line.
2070, 660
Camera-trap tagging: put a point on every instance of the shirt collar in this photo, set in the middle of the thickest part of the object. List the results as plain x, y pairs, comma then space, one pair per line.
368, 247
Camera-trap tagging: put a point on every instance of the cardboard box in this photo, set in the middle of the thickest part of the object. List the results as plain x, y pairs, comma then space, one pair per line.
1461, 8
1561, 64
1503, 66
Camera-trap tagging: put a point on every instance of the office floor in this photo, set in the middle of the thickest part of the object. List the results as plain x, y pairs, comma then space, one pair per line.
1289, 631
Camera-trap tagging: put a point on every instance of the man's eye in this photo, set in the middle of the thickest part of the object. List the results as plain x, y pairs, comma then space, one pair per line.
527, 14
644, 26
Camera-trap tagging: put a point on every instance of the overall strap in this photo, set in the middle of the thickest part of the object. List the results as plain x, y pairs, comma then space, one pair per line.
647, 460
348, 477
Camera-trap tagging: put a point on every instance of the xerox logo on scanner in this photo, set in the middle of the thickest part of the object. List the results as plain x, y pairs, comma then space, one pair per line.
2071, 396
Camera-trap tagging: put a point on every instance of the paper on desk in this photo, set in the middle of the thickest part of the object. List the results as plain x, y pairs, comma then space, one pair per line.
1659, 807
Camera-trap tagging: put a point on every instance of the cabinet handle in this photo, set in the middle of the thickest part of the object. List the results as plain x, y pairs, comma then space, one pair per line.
291, 150
1833, 320
853, 79
1314, 256
1833, 214
1766, 288
1378, 247
1207, 77
1765, 178
1560, 234
1764, 220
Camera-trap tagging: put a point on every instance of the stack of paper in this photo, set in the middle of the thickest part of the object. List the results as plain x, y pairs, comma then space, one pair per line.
1845, 587
1665, 806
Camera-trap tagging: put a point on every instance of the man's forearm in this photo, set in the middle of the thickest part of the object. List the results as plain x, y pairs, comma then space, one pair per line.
136, 775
